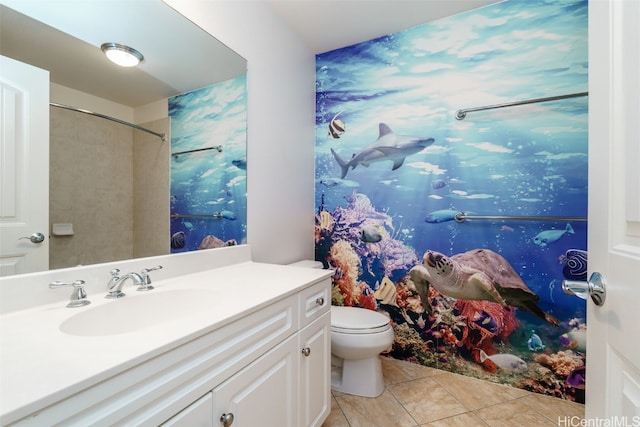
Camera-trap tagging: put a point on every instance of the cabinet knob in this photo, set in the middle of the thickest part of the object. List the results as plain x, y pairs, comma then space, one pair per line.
319, 301
306, 351
226, 419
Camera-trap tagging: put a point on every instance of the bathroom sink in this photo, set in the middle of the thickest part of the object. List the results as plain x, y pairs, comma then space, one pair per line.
135, 312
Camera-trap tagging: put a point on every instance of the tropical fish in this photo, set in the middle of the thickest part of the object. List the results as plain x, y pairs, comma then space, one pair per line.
386, 292
577, 378
225, 215
326, 220
485, 321
336, 127
436, 185
388, 146
575, 264
443, 215
178, 240
507, 228
330, 182
240, 163
337, 182
549, 236
506, 362
575, 339
371, 233
534, 343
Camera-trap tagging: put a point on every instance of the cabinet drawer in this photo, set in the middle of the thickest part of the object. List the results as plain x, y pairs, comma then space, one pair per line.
314, 301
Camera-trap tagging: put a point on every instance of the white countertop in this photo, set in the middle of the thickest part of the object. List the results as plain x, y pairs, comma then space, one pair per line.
41, 365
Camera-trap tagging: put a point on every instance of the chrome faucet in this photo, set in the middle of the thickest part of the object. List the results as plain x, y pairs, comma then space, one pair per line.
114, 287
147, 279
142, 280
78, 296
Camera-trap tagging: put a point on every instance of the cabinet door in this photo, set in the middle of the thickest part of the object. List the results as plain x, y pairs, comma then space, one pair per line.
265, 393
198, 414
315, 372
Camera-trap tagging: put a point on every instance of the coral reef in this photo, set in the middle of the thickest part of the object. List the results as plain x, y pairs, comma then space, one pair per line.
347, 264
346, 224
408, 345
210, 241
544, 381
485, 320
562, 362
372, 271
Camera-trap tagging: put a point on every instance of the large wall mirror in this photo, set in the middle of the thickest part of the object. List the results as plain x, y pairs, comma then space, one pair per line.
118, 192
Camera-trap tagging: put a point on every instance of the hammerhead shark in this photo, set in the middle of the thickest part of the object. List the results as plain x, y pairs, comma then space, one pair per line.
388, 146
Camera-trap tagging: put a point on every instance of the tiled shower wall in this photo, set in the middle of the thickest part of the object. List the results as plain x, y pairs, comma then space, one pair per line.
104, 178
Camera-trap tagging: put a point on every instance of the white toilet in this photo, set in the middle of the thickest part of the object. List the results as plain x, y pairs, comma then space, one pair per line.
358, 336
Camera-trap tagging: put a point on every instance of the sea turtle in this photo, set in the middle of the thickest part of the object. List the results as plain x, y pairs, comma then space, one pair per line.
479, 274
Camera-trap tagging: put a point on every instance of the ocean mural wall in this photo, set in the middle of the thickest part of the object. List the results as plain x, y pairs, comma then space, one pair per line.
209, 167
405, 191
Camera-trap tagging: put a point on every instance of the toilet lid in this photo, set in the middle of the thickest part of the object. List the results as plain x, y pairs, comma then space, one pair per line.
357, 320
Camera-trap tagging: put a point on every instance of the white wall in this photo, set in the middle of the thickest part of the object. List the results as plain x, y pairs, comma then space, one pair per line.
281, 112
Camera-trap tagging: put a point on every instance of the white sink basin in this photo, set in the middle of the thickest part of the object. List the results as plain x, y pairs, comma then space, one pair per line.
133, 313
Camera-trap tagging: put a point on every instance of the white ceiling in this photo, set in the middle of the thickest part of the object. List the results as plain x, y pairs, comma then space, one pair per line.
325, 25
69, 47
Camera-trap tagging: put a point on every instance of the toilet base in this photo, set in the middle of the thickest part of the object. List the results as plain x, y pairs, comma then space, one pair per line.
360, 377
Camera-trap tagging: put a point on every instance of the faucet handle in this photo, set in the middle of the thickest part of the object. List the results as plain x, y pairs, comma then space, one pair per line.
78, 296
146, 286
114, 293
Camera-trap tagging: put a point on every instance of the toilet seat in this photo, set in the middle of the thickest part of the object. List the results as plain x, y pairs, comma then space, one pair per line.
356, 320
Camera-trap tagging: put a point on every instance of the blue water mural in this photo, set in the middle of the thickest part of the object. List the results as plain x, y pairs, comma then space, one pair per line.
208, 183
394, 168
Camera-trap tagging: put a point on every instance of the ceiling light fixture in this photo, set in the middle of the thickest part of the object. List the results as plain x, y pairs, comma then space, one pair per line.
122, 55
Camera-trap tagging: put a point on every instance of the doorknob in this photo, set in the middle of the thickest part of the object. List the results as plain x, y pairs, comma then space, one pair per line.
34, 238
594, 287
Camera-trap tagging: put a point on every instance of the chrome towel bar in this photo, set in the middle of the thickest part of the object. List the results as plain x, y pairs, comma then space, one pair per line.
462, 113
215, 147
178, 215
462, 217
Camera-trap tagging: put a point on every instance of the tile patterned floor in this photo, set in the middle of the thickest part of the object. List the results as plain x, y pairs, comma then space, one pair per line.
416, 395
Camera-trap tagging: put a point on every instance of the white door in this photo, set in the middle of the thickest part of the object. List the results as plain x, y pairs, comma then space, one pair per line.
613, 359
24, 168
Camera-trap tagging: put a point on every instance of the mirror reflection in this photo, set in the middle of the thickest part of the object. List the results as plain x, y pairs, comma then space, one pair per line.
118, 192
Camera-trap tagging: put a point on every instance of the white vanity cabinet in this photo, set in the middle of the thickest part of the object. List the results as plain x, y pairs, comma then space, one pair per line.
288, 386
315, 349
259, 357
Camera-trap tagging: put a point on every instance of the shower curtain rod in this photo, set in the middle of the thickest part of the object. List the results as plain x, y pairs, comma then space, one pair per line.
462, 217
162, 136
462, 113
